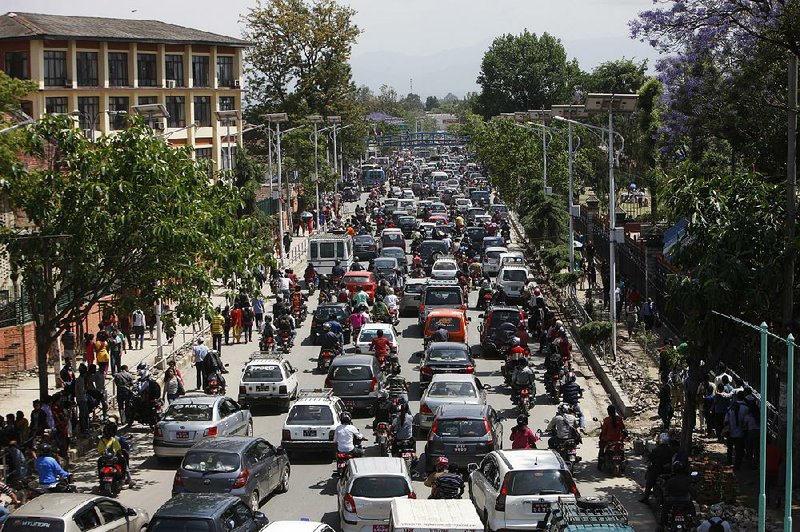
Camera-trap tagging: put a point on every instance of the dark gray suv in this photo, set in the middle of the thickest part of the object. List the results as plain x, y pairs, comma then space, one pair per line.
206, 512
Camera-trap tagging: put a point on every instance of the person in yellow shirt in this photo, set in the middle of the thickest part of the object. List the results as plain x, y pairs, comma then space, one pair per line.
217, 323
101, 351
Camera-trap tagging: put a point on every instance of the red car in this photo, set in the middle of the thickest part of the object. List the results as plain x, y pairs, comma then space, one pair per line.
355, 280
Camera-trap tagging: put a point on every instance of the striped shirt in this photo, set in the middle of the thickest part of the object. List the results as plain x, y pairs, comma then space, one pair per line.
449, 486
6, 490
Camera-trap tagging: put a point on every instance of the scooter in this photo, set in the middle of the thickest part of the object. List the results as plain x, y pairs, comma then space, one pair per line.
568, 449
324, 359
343, 458
111, 473
613, 458
286, 340
406, 450
215, 384
267, 345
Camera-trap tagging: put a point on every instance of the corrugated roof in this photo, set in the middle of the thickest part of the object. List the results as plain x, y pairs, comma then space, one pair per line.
18, 25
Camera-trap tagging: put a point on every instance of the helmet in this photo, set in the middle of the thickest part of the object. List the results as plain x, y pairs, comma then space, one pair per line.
536, 291
678, 467
515, 341
522, 419
442, 462
326, 326
379, 298
346, 419
570, 377
45, 449
559, 324
663, 438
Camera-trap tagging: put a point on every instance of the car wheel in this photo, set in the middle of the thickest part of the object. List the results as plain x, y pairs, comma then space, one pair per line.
250, 429
283, 487
254, 501
591, 503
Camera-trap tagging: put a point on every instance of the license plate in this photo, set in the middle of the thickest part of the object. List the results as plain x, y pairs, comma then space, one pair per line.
350, 405
380, 528
679, 518
108, 479
539, 508
310, 433
460, 448
182, 435
262, 388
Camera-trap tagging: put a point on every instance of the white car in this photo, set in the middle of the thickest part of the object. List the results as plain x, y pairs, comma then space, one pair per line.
268, 378
491, 260
444, 269
366, 490
463, 205
408, 193
370, 331
297, 526
311, 423
513, 279
513, 490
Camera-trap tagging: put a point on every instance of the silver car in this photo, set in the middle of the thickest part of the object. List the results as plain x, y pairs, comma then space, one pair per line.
449, 388
412, 292
366, 489
192, 417
76, 512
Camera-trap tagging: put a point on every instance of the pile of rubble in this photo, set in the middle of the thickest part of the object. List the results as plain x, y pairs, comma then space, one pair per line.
641, 390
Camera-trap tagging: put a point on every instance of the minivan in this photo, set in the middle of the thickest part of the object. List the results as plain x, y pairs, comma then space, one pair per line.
512, 279
440, 294
326, 248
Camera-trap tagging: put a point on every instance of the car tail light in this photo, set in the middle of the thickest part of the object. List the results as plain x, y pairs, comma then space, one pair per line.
412, 495
574, 489
434, 428
241, 480
349, 503
422, 308
178, 480
488, 431
286, 434
470, 368
427, 370
373, 248
425, 409
242, 389
210, 431
283, 389
374, 385
500, 503
158, 433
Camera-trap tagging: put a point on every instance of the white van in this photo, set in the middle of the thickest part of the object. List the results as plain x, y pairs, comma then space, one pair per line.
512, 257
513, 279
326, 248
441, 515
438, 180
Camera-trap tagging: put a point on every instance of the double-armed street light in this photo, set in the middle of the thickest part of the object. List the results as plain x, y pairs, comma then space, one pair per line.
226, 117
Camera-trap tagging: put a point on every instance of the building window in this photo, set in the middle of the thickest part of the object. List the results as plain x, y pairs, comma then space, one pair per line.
55, 68
118, 69
202, 110
177, 111
87, 69
225, 71
16, 64
27, 107
226, 164
148, 100
203, 156
89, 107
226, 103
116, 104
174, 69
56, 105
200, 70
148, 72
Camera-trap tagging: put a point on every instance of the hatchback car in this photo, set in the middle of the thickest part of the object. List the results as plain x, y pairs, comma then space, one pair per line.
388, 268
430, 250
206, 512
449, 388
440, 294
474, 211
366, 489
463, 434
407, 224
393, 240
356, 379
370, 331
75, 512
399, 254
248, 468
491, 259
268, 379
491, 336
311, 423
454, 321
445, 357
409, 300
355, 280
365, 247
515, 489
328, 312
513, 279
445, 268
192, 417
463, 205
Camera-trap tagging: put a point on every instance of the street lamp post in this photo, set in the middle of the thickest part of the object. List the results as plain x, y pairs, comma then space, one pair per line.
543, 115
316, 119
278, 118
623, 103
227, 117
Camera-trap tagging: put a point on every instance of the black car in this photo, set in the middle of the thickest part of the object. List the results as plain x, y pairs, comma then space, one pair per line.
492, 338
365, 247
399, 254
445, 357
328, 312
407, 225
464, 434
475, 234
350, 194
207, 512
429, 249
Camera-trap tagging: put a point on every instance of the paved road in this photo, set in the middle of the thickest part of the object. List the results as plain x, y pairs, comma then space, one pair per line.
313, 486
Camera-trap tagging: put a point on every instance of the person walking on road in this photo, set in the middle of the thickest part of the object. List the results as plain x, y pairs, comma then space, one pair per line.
247, 323
124, 383
199, 353
217, 327
735, 421
258, 311
236, 323
68, 343
171, 386
139, 323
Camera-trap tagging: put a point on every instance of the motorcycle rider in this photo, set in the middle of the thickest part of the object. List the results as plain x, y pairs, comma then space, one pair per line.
356, 267
522, 377
286, 323
279, 308
676, 491
310, 275
440, 335
109, 441
337, 272
213, 366
346, 434
380, 345
440, 468
449, 485
660, 459
397, 384
391, 300
562, 427
612, 430
49, 470
298, 301
715, 524
268, 331
380, 312
403, 431
571, 392
522, 437
361, 298
329, 341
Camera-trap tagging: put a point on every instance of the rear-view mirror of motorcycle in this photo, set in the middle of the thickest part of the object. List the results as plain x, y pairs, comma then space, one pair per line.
487, 386
595, 419
481, 316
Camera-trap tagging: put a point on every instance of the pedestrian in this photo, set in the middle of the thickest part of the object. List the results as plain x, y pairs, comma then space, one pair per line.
124, 383
171, 385
101, 351
115, 346
23, 426
68, 343
125, 330
247, 323
67, 375
721, 403
217, 327
150, 320
287, 241
647, 315
592, 275
199, 353
98, 380
226, 314
736, 426
236, 322
258, 311
16, 464
171, 364
705, 401
618, 299
139, 323
38, 419
665, 410
82, 399
752, 427
631, 319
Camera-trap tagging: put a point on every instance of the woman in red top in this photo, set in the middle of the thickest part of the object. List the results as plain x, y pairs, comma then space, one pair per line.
88, 346
612, 430
522, 437
236, 323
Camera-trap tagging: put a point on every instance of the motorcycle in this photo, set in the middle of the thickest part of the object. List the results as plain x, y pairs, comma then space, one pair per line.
311, 284
568, 449
613, 458
524, 401
63, 485
299, 313
382, 437
267, 345
393, 319
286, 340
324, 359
111, 472
484, 300
143, 411
405, 449
506, 234
215, 384
343, 458
475, 279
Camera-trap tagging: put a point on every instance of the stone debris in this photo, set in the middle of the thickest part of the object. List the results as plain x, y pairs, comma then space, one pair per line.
642, 391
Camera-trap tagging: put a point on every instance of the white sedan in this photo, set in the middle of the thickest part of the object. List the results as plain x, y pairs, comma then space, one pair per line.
444, 269
370, 331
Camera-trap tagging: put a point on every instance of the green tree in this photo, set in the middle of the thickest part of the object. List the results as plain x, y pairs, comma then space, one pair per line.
412, 103
521, 72
11, 91
623, 76
431, 103
127, 214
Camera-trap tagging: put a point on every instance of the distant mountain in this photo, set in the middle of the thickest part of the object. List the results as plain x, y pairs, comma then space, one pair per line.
456, 70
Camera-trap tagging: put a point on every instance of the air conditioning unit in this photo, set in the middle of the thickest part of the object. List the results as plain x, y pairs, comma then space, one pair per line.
170, 83
236, 84
159, 125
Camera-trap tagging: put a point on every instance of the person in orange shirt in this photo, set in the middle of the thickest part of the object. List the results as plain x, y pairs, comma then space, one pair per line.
350, 230
612, 430
236, 322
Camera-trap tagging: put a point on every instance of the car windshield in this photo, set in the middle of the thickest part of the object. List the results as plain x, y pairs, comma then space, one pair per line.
393, 252
357, 279
452, 389
310, 415
413, 288
179, 524
380, 487
447, 354
446, 322
406, 220
544, 482
461, 428
493, 254
499, 208
392, 237
368, 334
262, 374
451, 266
323, 314
351, 373
364, 239
189, 412
443, 297
210, 462
385, 264
505, 316
33, 524
515, 275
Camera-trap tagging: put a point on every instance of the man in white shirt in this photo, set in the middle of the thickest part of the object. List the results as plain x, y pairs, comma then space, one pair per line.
285, 286
345, 435
391, 300
199, 353
139, 324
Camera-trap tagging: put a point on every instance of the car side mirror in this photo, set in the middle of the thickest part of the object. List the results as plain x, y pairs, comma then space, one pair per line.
487, 386
280, 451
130, 512
259, 516
469, 318
226, 365
472, 467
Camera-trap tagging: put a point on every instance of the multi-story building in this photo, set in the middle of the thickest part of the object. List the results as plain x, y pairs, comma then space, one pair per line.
94, 67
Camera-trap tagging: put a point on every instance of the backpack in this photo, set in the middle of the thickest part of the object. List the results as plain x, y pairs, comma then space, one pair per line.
153, 390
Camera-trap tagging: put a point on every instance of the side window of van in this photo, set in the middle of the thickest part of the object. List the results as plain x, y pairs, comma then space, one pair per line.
340, 249
314, 251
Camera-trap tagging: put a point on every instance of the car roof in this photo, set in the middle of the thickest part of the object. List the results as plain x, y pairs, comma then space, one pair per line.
358, 274
531, 459
54, 504
504, 308
514, 267
414, 280
376, 326
198, 399
453, 377
352, 360
447, 313
494, 248
342, 306
227, 443
382, 465
461, 410
195, 505
295, 526
446, 345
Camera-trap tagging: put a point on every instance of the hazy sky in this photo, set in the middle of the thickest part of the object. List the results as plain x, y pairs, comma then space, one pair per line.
438, 43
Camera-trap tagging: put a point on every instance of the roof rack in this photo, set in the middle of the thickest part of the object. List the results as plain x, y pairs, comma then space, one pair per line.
613, 514
263, 355
315, 393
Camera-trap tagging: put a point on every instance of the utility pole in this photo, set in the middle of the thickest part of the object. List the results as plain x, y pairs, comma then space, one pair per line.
791, 201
